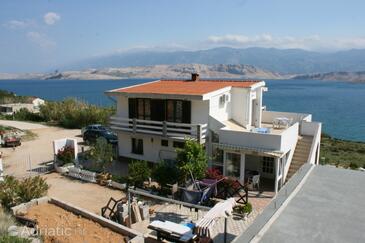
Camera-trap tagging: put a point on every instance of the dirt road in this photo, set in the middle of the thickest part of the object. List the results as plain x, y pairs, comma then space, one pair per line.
40, 150
34, 152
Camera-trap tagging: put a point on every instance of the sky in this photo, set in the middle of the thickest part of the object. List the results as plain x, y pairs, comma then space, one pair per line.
42, 35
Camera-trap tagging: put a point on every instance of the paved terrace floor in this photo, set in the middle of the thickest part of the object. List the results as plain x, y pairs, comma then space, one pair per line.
330, 207
181, 214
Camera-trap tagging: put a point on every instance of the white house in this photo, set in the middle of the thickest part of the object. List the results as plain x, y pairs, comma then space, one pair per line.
228, 116
33, 105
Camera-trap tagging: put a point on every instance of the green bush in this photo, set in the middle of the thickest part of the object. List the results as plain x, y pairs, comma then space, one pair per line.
138, 172
101, 153
25, 115
354, 166
32, 188
191, 158
13, 239
5, 222
73, 113
241, 209
14, 192
9, 192
165, 173
247, 208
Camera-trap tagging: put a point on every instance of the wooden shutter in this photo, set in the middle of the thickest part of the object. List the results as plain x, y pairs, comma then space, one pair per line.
186, 111
132, 107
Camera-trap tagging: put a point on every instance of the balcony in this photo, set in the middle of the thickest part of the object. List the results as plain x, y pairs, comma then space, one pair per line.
165, 129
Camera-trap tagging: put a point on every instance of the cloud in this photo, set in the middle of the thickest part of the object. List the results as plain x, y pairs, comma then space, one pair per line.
313, 42
19, 24
51, 18
41, 40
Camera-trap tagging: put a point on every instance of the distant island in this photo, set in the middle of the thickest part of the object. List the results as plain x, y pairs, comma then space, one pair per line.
182, 71
357, 77
158, 71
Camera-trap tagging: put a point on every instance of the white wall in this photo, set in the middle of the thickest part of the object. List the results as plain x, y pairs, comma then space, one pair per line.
268, 116
249, 139
199, 111
289, 138
152, 149
122, 107
313, 129
220, 112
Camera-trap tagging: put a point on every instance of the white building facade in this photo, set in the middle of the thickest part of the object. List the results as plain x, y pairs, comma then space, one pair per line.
228, 117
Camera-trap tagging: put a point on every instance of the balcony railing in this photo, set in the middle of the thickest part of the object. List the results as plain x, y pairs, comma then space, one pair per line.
160, 128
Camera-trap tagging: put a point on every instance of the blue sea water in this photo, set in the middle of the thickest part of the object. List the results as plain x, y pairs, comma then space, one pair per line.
340, 106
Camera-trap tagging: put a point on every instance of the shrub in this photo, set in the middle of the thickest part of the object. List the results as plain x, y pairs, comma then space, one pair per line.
165, 173
191, 159
65, 155
241, 209
5, 222
101, 153
13, 239
354, 166
9, 192
25, 115
138, 172
31, 188
14, 192
73, 113
247, 208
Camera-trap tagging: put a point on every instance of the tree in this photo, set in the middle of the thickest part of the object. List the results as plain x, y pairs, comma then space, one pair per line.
138, 172
101, 153
191, 159
165, 173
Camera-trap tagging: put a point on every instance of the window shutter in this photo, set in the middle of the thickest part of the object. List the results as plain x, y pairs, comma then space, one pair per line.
132, 107
186, 111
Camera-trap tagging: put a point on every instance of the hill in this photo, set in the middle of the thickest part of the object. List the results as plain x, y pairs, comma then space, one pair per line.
165, 71
287, 61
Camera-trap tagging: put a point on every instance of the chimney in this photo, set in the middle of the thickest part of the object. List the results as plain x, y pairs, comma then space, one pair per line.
195, 77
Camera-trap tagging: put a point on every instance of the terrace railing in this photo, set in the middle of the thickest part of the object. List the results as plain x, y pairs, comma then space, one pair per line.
160, 128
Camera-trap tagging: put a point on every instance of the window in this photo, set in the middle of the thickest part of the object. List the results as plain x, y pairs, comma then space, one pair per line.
177, 144
140, 109
178, 111
165, 143
137, 146
268, 165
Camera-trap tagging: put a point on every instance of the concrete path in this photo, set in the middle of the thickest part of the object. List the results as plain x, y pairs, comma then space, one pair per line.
22, 125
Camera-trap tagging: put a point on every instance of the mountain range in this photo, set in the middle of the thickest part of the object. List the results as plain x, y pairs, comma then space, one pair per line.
284, 61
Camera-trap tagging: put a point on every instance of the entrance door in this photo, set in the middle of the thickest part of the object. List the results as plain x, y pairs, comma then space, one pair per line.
232, 166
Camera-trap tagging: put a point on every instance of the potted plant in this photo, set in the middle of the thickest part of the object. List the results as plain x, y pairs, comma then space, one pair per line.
65, 159
243, 210
103, 178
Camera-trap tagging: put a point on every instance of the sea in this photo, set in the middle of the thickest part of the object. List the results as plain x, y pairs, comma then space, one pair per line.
340, 106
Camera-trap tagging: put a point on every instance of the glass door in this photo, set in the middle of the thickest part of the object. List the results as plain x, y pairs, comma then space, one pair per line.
233, 165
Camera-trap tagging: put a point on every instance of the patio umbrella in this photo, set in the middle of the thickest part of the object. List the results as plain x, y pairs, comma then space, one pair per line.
222, 209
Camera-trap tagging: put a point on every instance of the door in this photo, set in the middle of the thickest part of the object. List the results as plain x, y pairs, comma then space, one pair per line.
232, 165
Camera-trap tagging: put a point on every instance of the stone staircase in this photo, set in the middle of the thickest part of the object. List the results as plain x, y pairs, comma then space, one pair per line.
301, 154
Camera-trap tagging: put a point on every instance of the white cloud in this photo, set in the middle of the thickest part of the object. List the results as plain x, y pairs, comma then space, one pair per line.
41, 40
51, 18
18, 24
313, 42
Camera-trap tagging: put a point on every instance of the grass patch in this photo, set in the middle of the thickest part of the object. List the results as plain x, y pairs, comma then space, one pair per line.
29, 135
5, 222
342, 152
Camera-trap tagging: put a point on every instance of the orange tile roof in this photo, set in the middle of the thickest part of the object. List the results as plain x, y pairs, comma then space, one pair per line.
185, 87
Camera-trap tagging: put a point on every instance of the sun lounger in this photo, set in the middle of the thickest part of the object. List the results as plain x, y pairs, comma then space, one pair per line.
172, 231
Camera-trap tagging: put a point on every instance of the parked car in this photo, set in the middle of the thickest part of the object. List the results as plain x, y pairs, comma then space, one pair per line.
11, 141
90, 136
93, 127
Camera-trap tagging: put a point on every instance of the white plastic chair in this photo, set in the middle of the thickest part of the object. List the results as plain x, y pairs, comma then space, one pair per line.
255, 182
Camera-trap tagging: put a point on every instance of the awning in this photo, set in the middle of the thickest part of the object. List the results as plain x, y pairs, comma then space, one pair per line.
250, 150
